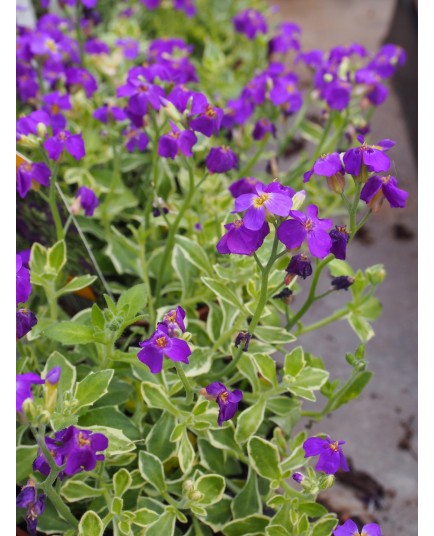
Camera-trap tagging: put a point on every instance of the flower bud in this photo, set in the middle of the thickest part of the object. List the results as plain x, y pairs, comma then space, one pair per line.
243, 337
188, 486
196, 496
375, 274
342, 282
41, 129
29, 141
299, 265
44, 417
170, 111
327, 482
336, 182
298, 477
298, 200
286, 295
29, 409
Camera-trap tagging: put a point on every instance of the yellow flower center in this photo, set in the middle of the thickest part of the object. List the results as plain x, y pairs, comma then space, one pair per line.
82, 441
238, 224
308, 225
210, 112
224, 397
334, 446
260, 200
161, 342
51, 45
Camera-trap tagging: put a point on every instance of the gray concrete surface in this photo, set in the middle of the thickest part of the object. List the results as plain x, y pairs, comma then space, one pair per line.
377, 423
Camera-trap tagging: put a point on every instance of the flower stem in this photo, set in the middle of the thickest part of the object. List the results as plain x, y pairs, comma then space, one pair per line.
248, 167
53, 205
325, 321
311, 296
172, 233
353, 209
186, 383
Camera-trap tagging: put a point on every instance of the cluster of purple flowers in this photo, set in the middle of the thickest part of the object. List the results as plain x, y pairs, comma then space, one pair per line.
78, 450
35, 505
164, 342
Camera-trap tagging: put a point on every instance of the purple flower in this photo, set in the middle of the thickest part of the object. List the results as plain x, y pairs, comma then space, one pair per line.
130, 47
90, 4
25, 322
349, 528
372, 156
76, 449
108, 113
250, 22
151, 4
240, 240
261, 203
141, 93
379, 188
209, 118
227, 401
161, 344
299, 265
175, 142
86, 199
135, 139
342, 282
292, 233
247, 185
28, 498
53, 104
64, 140
95, 46
298, 477
29, 124
285, 93
285, 40
53, 375
23, 286
77, 76
337, 94
243, 338
174, 321
29, 173
24, 387
387, 60
326, 165
331, 457
262, 128
221, 159
187, 6
340, 237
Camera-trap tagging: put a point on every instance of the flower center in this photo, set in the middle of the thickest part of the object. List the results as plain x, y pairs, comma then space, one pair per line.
385, 179
62, 136
342, 229
55, 109
238, 224
51, 45
290, 88
143, 88
210, 112
260, 200
334, 446
224, 397
27, 166
308, 225
171, 317
161, 342
174, 135
83, 441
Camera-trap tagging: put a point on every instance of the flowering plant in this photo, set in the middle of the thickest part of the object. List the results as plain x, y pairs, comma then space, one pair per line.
161, 288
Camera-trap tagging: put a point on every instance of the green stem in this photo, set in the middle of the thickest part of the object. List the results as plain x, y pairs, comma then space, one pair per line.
362, 221
145, 277
247, 168
47, 485
311, 296
353, 210
340, 313
79, 33
297, 122
170, 241
186, 383
53, 205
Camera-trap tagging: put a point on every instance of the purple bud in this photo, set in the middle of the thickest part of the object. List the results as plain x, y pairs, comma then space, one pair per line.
25, 322
342, 282
285, 295
53, 375
298, 477
299, 265
243, 337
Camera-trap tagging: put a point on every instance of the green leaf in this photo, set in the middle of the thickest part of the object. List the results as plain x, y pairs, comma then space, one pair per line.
76, 490
338, 267
57, 257
133, 300
294, 362
282, 405
212, 487
158, 440
118, 442
274, 335
223, 292
183, 269
248, 525
50, 522
38, 259
351, 389
264, 457
25, 457
110, 416
152, 471
97, 317
90, 525
276, 530
195, 254
156, 397
165, 524
122, 481
123, 253
77, 283
94, 386
144, 517
249, 421
70, 332
185, 452
324, 527
266, 367
248, 501
200, 362
361, 327
312, 509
